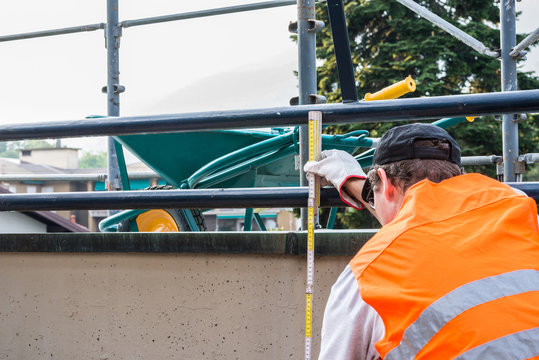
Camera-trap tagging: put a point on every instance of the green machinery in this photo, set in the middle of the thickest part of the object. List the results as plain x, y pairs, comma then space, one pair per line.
231, 159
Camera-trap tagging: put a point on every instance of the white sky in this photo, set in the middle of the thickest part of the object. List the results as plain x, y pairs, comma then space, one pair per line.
234, 61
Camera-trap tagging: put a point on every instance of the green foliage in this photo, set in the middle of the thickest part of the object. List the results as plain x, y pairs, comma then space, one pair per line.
533, 173
352, 218
346, 218
90, 160
389, 42
10, 149
36, 144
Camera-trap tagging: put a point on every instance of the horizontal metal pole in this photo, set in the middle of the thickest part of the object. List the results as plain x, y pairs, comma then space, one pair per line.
333, 243
530, 188
185, 199
450, 28
359, 112
480, 160
143, 175
73, 177
206, 13
530, 158
69, 30
530, 39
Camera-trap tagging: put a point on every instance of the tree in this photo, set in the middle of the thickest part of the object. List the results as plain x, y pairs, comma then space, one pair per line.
389, 42
90, 160
532, 174
36, 144
10, 149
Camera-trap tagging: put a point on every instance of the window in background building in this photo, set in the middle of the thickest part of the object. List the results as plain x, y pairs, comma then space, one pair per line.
31, 188
47, 189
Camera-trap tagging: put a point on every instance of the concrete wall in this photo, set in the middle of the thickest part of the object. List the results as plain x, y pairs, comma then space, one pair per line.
158, 306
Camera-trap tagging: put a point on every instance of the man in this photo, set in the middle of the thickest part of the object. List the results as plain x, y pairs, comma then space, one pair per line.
454, 270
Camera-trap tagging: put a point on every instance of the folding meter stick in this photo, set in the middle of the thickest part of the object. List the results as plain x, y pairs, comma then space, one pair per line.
313, 202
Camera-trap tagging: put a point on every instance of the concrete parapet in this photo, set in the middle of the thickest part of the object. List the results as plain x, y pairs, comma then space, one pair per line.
162, 296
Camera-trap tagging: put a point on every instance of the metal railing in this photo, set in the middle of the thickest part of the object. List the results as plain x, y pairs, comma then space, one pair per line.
186, 199
508, 103
357, 112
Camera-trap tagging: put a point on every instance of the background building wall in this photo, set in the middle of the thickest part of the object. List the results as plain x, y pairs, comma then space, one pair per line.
63, 158
14, 222
158, 306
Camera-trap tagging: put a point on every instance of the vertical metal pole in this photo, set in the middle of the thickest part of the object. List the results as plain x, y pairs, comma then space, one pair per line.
307, 81
509, 83
113, 32
248, 221
343, 54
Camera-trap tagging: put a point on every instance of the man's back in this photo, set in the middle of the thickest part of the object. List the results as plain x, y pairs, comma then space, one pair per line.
456, 252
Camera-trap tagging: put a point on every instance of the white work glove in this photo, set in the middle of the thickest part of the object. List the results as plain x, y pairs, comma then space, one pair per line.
335, 167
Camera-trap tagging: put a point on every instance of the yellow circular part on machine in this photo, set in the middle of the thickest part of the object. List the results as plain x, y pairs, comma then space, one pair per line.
156, 221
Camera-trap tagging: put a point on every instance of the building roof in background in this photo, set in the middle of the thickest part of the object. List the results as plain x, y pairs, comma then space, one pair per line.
55, 223
15, 166
51, 148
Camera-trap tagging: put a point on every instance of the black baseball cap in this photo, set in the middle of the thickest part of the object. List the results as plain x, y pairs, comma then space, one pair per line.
397, 144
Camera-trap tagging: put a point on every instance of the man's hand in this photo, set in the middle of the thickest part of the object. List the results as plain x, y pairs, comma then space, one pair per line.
336, 167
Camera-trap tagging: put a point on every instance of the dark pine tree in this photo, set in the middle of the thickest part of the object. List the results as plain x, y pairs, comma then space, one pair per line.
389, 42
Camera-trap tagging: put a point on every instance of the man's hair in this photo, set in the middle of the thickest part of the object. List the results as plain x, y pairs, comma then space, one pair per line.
406, 173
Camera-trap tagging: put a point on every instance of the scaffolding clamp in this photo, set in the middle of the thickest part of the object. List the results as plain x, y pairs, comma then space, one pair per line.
313, 99
116, 33
117, 89
530, 158
312, 26
516, 117
520, 166
520, 55
520, 117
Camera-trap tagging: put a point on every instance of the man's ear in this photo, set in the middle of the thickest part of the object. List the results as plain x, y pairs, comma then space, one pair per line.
389, 190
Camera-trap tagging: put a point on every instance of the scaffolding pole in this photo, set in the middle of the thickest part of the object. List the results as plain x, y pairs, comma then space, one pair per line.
530, 39
412, 109
206, 13
113, 33
53, 32
242, 198
450, 28
270, 197
307, 82
151, 20
343, 55
509, 83
140, 175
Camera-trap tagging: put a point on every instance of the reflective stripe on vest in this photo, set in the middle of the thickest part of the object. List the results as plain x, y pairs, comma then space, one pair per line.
463, 298
520, 345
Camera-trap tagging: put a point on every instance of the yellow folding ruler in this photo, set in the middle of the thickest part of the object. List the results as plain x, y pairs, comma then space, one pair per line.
313, 202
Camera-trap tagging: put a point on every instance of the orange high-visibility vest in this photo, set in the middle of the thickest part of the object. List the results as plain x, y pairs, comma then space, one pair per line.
456, 273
